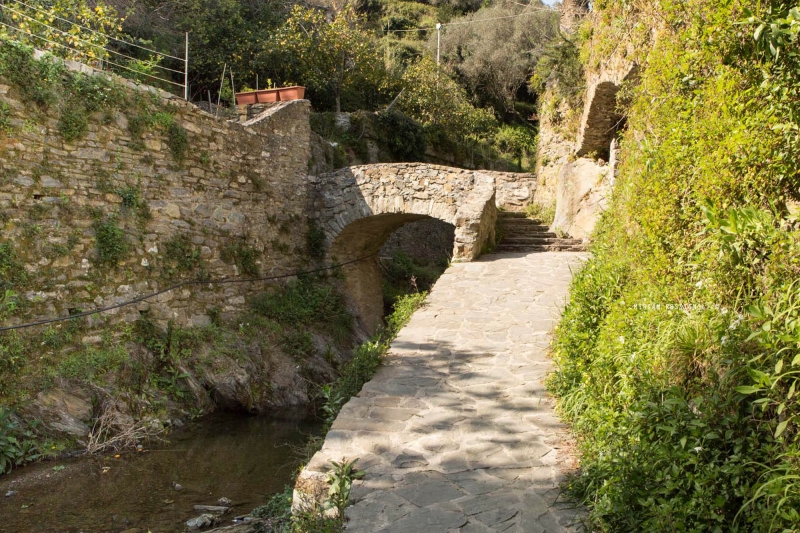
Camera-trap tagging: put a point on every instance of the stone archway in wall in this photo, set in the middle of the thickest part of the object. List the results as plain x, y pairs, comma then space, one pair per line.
358, 208
602, 119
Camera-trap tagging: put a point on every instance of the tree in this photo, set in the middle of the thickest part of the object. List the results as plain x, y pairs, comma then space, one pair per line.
435, 100
64, 27
329, 55
494, 51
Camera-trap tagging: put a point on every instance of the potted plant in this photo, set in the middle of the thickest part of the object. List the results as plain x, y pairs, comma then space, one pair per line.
267, 95
294, 92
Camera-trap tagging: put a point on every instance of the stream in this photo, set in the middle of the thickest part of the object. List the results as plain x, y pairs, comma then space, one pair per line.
245, 459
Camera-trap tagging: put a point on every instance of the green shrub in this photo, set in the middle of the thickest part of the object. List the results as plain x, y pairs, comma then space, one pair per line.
73, 123
181, 256
544, 214
12, 273
405, 137
305, 303
5, 117
677, 354
177, 140
36, 80
17, 443
112, 246
243, 256
315, 241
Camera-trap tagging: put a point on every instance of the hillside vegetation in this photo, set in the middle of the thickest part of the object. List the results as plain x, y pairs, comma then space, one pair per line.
351, 56
679, 354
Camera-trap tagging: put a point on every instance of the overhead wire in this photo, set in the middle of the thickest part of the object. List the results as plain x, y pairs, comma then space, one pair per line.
83, 53
99, 32
178, 286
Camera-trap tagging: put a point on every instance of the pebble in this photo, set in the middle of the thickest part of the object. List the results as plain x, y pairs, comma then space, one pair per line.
177, 486
10, 493
224, 501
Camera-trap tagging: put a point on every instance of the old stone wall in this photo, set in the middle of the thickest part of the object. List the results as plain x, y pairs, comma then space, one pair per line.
233, 206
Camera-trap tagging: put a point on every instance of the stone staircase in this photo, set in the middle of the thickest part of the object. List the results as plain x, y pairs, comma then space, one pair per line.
523, 235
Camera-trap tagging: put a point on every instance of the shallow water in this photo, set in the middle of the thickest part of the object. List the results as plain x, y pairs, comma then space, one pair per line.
245, 459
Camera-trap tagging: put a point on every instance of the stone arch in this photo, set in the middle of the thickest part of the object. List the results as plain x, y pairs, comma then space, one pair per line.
358, 208
601, 117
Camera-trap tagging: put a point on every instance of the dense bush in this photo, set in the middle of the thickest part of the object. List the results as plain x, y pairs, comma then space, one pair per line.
405, 137
678, 353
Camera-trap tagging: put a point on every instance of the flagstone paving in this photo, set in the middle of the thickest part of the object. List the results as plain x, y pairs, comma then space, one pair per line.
456, 431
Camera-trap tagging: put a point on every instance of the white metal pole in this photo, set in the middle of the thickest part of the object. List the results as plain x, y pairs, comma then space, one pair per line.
186, 70
438, 40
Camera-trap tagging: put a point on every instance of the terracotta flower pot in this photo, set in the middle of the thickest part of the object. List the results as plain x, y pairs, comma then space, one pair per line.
267, 95
246, 98
292, 93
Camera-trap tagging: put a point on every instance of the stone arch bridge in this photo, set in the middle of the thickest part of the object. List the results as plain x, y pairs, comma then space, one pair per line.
358, 208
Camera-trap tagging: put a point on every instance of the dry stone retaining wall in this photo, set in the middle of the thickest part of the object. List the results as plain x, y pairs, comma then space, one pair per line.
239, 184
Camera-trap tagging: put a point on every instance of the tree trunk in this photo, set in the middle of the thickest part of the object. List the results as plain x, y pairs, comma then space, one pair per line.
338, 101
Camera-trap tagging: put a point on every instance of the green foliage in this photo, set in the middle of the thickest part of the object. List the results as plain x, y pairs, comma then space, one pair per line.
243, 255
112, 246
367, 357
517, 142
182, 257
434, 99
315, 241
494, 50
17, 443
329, 55
177, 140
678, 352
12, 273
405, 137
544, 214
5, 117
340, 478
92, 363
279, 507
560, 67
73, 123
403, 275
305, 303
37, 81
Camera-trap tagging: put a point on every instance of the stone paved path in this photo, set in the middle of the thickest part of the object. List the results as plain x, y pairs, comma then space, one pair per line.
455, 431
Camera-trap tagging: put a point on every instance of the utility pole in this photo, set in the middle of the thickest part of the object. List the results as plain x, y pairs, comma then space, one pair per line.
438, 40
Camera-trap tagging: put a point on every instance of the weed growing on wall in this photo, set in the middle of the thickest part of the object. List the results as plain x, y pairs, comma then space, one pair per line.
182, 257
677, 354
112, 246
243, 255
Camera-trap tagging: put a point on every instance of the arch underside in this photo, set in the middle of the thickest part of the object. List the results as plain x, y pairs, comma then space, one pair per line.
601, 122
364, 238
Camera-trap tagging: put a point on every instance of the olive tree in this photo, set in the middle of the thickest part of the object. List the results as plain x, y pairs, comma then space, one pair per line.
494, 50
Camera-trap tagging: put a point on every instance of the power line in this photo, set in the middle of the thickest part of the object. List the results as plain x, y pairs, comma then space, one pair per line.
83, 53
101, 33
178, 286
82, 41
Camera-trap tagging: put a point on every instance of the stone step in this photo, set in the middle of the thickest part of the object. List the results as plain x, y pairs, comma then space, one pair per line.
539, 240
510, 214
527, 233
525, 248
